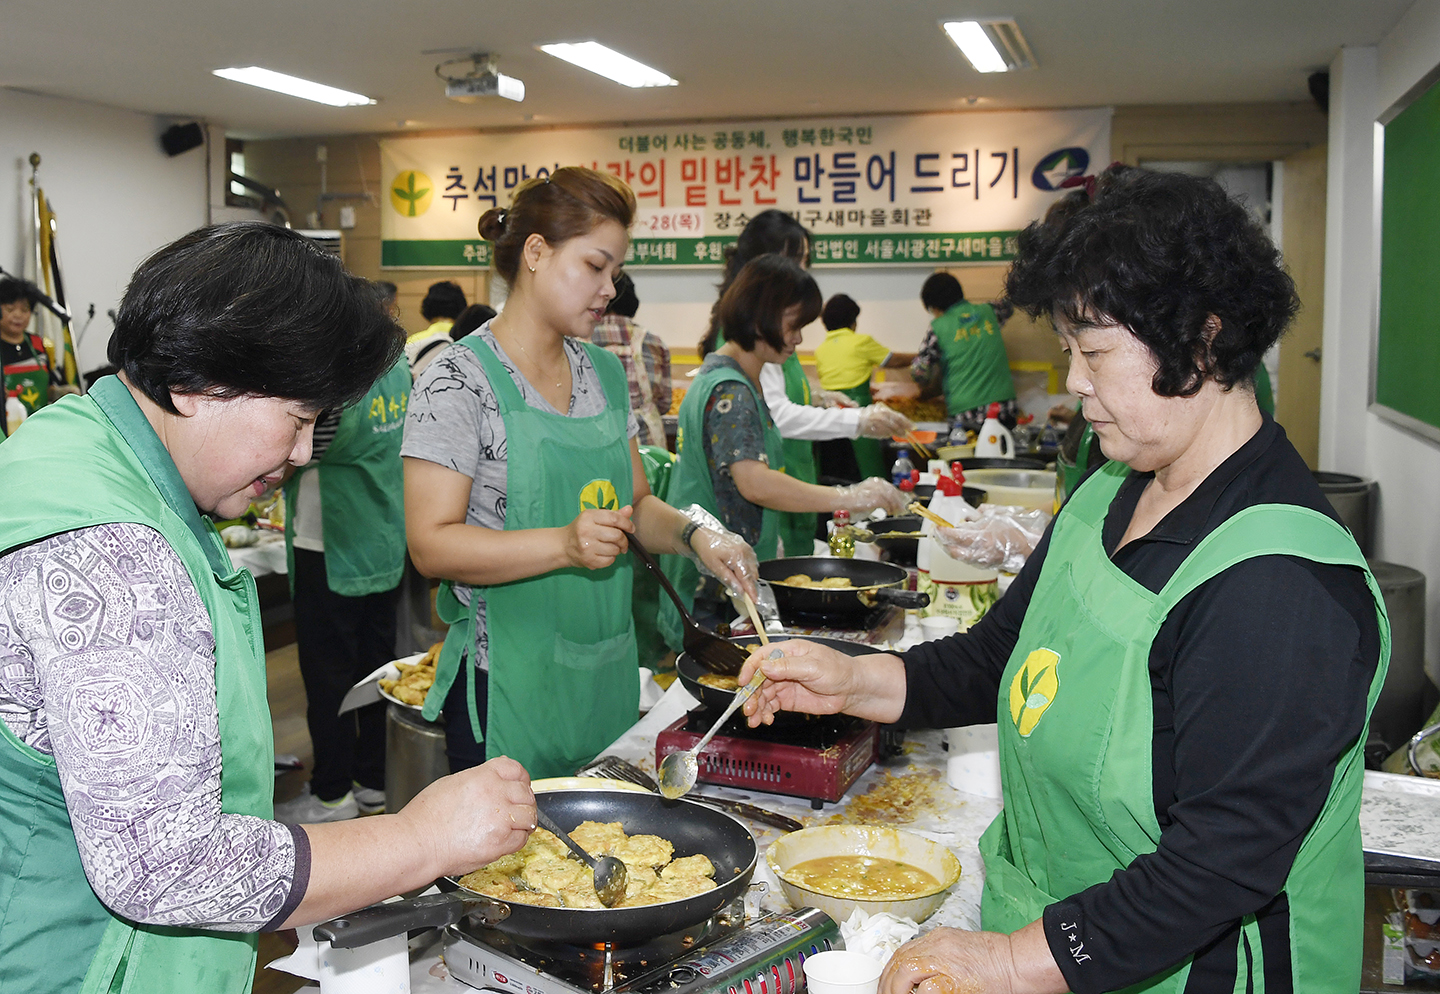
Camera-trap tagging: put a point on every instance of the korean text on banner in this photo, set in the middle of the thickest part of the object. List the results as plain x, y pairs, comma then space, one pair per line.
922, 189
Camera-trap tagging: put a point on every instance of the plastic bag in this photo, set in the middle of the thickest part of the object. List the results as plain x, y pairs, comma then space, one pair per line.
1000, 537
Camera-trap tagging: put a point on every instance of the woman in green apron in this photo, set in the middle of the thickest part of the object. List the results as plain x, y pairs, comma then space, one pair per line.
132, 858
28, 371
1182, 674
523, 481
731, 459
800, 418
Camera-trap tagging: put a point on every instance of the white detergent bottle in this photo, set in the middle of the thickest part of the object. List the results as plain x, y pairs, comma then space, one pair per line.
995, 440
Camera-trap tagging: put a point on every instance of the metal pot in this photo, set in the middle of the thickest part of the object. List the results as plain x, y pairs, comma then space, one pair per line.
693, 828
874, 586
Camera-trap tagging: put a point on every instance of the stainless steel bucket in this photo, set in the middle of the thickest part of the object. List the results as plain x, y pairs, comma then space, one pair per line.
414, 755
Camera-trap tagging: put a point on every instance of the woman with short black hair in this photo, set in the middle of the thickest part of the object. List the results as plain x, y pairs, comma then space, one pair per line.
731, 461
1182, 672
136, 754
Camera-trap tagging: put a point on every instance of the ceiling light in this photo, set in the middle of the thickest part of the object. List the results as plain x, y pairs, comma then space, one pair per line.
608, 63
991, 44
294, 86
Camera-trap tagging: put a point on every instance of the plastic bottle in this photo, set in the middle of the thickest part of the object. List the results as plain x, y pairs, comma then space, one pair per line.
995, 440
902, 468
842, 536
14, 414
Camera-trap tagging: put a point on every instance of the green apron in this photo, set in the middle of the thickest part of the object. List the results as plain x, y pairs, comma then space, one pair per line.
564, 678
690, 483
29, 379
1264, 393
645, 592
98, 461
362, 492
869, 453
976, 367
1076, 727
797, 528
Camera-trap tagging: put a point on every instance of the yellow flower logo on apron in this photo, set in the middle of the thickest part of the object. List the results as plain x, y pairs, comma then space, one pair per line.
410, 193
599, 495
1034, 688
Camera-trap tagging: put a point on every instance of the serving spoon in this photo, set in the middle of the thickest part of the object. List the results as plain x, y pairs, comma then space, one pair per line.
680, 770
609, 872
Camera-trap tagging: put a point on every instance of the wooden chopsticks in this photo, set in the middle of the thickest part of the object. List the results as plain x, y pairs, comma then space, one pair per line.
928, 514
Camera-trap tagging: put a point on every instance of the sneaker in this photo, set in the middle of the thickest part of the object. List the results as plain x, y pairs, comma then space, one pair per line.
307, 809
369, 801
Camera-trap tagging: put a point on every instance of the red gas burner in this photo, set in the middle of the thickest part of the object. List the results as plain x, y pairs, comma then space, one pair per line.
817, 759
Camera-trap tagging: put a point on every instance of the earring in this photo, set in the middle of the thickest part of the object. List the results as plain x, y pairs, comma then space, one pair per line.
532, 269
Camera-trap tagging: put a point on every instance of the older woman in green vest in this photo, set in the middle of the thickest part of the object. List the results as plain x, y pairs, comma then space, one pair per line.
131, 856
1183, 672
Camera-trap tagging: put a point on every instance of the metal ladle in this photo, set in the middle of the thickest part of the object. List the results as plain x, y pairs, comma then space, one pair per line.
680, 770
609, 872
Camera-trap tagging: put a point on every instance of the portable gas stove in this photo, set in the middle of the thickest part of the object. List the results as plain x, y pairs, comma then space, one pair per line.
722, 955
816, 759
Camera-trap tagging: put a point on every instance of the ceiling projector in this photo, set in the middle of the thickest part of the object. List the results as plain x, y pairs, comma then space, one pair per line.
483, 80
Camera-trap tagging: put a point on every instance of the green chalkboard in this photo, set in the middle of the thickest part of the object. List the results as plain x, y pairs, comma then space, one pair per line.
1407, 362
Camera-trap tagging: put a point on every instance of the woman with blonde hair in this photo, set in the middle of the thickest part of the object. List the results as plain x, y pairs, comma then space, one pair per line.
540, 660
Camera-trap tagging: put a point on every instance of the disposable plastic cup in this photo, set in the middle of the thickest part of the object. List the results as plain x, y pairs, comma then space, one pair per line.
839, 971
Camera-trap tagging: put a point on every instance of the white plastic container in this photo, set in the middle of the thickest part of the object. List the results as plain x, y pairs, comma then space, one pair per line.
994, 440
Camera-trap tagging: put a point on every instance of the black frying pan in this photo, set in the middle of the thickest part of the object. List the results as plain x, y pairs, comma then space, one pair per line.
718, 700
693, 828
873, 587
898, 538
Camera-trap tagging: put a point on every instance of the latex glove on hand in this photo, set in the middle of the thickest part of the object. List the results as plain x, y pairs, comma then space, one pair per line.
1000, 538
878, 421
868, 495
832, 398
720, 553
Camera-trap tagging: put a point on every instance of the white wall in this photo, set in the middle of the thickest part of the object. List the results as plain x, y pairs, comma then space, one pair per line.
1364, 82
116, 194
676, 305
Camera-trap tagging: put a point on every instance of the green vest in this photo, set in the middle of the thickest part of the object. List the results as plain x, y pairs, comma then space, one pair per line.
564, 679
690, 483
97, 461
1076, 727
797, 528
977, 370
362, 492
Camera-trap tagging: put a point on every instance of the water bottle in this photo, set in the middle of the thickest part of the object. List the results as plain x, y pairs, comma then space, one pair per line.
902, 468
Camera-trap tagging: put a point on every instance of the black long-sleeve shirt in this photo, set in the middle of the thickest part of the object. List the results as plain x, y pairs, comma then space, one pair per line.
1259, 680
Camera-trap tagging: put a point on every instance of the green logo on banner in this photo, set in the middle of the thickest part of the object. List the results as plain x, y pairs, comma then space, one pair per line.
410, 193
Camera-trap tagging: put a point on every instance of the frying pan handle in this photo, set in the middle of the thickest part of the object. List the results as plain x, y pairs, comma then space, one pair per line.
909, 599
381, 921
654, 567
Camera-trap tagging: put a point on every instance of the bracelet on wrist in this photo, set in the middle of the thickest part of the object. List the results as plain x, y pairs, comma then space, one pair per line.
687, 532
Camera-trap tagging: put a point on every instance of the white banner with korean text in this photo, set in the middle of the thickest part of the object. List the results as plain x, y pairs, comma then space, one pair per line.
919, 189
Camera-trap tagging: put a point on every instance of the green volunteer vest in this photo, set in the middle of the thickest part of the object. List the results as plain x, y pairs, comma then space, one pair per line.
977, 370
1076, 726
645, 589
869, 453
362, 492
564, 679
797, 528
690, 483
97, 461
29, 379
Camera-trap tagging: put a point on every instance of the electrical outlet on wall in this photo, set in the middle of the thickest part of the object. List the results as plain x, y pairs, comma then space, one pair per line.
347, 216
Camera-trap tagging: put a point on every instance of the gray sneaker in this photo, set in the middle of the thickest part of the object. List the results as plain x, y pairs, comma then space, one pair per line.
307, 809
370, 802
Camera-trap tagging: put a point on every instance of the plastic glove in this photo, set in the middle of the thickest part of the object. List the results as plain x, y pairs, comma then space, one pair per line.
867, 495
1001, 538
720, 553
765, 607
832, 398
878, 421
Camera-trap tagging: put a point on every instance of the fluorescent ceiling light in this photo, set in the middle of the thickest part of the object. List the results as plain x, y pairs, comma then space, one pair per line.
294, 86
992, 44
608, 63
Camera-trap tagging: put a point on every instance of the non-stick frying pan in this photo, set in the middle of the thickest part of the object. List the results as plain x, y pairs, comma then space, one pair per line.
718, 700
693, 828
873, 587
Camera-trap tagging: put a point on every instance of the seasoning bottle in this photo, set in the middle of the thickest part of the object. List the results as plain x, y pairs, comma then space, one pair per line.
842, 536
